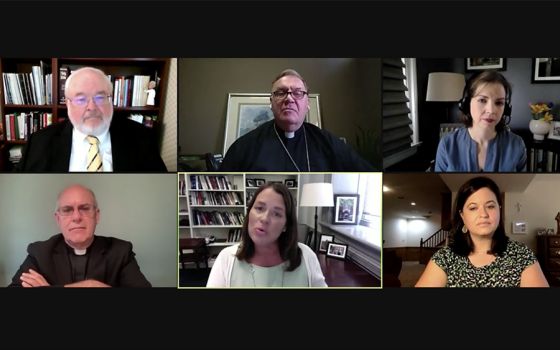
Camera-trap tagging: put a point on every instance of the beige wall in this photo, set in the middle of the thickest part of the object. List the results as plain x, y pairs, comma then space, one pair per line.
349, 91
169, 143
538, 206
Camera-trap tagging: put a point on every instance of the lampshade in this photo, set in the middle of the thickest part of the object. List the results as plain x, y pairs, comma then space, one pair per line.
445, 87
318, 194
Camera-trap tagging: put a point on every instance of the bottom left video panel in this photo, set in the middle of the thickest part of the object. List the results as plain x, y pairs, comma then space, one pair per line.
82, 230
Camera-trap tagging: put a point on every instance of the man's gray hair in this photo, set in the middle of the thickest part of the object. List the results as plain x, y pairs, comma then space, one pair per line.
290, 72
76, 185
90, 69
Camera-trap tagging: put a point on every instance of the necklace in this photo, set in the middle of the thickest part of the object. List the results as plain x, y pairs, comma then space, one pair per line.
253, 275
288, 153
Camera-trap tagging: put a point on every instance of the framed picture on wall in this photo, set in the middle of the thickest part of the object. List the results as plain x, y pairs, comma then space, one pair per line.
246, 112
546, 70
478, 64
346, 209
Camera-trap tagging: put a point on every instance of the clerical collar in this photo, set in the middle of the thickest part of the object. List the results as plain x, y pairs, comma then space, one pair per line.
80, 251
289, 134
288, 152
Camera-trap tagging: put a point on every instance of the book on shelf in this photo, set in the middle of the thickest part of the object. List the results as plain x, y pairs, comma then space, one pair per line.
210, 182
19, 126
215, 198
219, 218
28, 88
146, 120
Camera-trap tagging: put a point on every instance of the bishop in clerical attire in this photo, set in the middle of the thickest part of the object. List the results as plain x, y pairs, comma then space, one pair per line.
287, 143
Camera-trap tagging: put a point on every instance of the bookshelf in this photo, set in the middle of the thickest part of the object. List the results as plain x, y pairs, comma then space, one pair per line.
543, 156
215, 205
32, 94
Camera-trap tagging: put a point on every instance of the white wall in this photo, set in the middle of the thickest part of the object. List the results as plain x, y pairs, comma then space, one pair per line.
400, 232
538, 206
139, 208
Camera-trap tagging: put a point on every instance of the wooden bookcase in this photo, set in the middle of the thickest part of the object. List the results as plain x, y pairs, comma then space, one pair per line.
156, 68
195, 198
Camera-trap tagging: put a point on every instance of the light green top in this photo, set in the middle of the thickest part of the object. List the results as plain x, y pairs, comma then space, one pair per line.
250, 275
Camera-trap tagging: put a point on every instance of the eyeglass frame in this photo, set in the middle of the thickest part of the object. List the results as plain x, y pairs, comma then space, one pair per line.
107, 98
288, 92
80, 209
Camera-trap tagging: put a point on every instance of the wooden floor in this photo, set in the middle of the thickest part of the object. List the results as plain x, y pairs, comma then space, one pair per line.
345, 273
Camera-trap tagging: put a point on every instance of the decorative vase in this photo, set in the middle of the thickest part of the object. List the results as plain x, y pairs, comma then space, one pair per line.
539, 128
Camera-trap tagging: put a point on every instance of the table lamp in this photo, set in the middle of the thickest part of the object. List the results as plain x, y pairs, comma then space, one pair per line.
445, 87
317, 195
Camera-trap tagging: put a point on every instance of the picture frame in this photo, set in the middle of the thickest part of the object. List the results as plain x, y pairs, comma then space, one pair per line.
554, 132
250, 183
346, 209
519, 227
337, 250
290, 183
546, 70
246, 112
324, 242
259, 182
477, 64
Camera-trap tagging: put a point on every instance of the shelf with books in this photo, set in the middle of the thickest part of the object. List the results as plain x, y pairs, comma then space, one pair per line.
33, 87
214, 203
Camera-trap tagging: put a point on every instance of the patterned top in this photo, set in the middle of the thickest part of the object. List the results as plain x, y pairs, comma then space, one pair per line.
505, 271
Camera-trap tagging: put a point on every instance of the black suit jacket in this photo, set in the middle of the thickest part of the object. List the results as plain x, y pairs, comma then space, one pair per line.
133, 146
111, 261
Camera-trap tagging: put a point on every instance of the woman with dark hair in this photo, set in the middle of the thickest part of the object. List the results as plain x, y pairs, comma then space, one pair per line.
485, 143
269, 254
480, 254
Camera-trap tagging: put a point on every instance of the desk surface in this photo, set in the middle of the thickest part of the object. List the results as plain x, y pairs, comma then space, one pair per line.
345, 273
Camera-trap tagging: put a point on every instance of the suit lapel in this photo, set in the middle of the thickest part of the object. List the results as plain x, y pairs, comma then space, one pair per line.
97, 265
62, 147
62, 268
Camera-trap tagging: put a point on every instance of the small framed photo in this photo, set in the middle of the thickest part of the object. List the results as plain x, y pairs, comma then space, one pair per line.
324, 242
259, 182
546, 70
250, 183
519, 227
337, 250
554, 132
346, 209
290, 183
478, 64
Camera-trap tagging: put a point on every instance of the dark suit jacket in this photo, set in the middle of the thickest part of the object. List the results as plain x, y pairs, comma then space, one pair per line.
133, 146
111, 261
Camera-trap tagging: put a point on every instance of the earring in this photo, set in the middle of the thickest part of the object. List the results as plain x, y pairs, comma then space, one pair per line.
464, 229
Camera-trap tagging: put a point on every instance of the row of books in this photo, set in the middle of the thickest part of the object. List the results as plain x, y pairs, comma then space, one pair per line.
33, 88
210, 182
21, 126
543, 161
216, 198
223, 218
234, 235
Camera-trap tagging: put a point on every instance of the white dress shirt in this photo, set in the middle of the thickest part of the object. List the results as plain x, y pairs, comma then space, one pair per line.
80, 148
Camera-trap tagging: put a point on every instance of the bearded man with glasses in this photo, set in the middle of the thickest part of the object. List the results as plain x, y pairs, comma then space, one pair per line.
91, 139
288, 143
77, 257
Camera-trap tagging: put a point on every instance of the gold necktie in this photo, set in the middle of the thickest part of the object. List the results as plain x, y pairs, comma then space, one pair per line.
94, 162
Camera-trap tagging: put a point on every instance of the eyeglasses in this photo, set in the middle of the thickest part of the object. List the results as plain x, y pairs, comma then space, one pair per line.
99, 100
282, 94
84, 210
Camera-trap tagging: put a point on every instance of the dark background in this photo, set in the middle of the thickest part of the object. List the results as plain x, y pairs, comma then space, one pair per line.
266, 319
